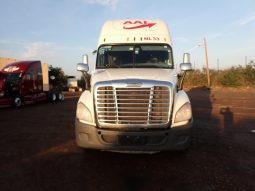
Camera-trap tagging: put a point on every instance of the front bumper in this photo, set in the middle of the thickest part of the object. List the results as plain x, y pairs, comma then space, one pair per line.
91, 137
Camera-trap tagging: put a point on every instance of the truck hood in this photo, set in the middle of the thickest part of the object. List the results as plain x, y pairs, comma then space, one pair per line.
169, 75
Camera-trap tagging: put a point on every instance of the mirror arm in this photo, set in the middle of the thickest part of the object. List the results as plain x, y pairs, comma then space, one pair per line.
181, 80
86, 79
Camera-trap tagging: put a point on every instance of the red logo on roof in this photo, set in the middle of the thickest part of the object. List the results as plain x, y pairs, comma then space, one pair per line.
137, 24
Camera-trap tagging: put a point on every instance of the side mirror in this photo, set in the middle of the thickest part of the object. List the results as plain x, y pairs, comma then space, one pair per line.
186, 58
186, 65
82, 67
85, 59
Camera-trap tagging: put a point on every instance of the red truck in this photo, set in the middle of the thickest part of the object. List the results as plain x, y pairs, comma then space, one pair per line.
27, 82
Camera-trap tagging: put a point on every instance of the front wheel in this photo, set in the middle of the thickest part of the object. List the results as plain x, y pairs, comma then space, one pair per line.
17, 101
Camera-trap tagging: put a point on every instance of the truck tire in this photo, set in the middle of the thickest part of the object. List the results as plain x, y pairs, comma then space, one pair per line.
60, 97
17, 101
53, 97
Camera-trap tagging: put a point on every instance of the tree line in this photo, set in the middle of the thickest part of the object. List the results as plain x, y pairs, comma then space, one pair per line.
239, 76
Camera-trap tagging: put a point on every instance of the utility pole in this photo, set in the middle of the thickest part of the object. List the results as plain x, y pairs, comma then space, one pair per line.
206, 63
245, 61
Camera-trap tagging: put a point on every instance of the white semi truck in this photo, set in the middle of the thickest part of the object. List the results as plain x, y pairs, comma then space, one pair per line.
134, 100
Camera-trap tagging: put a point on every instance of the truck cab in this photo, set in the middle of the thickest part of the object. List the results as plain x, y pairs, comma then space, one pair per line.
134, 101
26, 82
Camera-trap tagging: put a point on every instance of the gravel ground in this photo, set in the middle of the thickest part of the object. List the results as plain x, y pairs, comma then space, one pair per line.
38, 151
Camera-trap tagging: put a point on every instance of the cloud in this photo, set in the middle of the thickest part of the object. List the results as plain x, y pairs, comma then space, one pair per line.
37, 50
23, 49
246, 20
106, 3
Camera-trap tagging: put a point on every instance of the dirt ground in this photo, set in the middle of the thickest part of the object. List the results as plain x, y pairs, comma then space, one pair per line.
38, 151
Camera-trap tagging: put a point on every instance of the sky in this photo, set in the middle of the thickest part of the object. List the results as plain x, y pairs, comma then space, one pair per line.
59, 32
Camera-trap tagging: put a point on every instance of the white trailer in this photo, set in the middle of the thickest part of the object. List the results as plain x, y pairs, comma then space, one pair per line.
72, 84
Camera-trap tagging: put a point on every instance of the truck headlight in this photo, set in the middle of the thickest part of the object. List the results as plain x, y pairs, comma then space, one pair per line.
184, 113
83, 113
1, 94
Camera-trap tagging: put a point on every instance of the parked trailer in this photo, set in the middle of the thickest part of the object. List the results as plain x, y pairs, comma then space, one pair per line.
136, 102
72, 84
27, 82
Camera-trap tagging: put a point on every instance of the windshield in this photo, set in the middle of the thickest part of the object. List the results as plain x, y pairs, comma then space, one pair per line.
135, 56
12, 77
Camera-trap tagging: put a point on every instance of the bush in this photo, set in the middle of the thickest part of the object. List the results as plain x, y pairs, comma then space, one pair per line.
195, 78
233, 77
249, 74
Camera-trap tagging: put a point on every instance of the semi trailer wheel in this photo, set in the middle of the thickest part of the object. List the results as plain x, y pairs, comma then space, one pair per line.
61, 97
53, 97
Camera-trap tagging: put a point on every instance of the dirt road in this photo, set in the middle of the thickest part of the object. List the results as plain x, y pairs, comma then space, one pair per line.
38, 151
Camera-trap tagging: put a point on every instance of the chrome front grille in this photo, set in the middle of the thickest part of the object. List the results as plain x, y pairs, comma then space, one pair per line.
129, 106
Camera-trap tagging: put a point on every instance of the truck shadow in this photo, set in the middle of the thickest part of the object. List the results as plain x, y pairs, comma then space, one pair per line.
219, 118
205, 124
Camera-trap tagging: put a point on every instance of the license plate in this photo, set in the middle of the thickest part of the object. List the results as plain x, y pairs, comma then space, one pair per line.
132, 140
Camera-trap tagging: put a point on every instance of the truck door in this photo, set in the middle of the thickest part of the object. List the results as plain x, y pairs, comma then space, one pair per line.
27, 84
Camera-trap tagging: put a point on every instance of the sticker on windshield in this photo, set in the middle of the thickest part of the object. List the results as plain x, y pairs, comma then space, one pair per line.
104, 49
